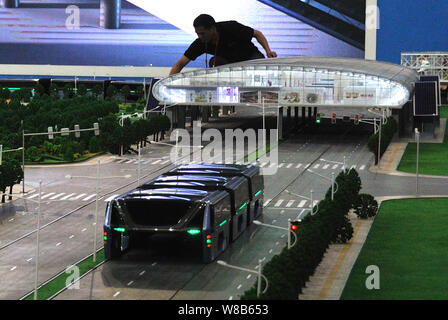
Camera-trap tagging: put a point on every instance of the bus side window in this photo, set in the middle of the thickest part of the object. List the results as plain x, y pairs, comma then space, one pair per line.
116, 218
222, 211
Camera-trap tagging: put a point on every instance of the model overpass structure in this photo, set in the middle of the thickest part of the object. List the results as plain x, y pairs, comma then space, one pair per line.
292, 82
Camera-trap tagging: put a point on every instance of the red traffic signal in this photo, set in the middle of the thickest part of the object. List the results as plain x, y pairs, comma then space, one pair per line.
333, 118
295, 225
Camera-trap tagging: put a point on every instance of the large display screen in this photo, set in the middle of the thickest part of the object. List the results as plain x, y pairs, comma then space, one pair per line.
150, 33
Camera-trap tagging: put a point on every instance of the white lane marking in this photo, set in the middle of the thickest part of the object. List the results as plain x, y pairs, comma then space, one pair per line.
166, 161
298, 166
28, 260
362, 167
116, 293
83, 229
130, 282
281, 165
239, 287
156, 162
129, 161
248, 276
13, 268
290, 202
34, 195
325, 166
289, 165
71, 237
335, 166
142, 273
316, 166
58, 244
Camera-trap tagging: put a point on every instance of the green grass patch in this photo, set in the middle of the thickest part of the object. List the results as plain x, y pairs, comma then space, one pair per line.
58, 283
433, 157
51, 159
408, 242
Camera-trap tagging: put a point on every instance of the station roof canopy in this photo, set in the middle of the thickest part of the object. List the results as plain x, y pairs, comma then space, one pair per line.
294, 81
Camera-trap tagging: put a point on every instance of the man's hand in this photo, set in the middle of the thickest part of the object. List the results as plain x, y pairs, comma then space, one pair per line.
271, 54
179, 65
264, 43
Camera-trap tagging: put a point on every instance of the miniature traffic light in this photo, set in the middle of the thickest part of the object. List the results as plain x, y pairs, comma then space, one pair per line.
356, 121
318, 118
295, 225
333, 118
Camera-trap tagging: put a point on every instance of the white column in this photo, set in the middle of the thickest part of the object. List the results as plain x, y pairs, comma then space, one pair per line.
372, 24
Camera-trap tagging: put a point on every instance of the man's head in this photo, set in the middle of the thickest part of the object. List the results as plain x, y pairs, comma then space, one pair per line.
205, 28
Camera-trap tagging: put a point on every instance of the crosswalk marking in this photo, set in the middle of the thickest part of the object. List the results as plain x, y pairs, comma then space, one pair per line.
298, 166
325, 166
281, 165
301, 204
335, 166
34, 195
157, 161
289, 165
68, 196
47, 195
290, 202
316, 166
111, 197
166, 161
362, 167
278, 203
57, 196
129, 161
89, 197
267, 202
79, 196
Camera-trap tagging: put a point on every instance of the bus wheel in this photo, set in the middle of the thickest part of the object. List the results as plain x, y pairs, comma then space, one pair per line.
115, 247
258, 209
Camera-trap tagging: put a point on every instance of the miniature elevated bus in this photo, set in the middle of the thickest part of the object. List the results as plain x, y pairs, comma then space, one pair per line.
236, 187
190, 217
206, 212
251, 173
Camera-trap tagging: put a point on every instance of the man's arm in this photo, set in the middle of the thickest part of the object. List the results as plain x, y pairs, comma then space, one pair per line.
264, 43
179, 65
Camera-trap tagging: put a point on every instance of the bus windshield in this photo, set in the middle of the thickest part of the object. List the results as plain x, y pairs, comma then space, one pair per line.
157, 212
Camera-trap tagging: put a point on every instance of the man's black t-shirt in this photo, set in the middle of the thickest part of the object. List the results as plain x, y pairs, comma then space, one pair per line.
234, 43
